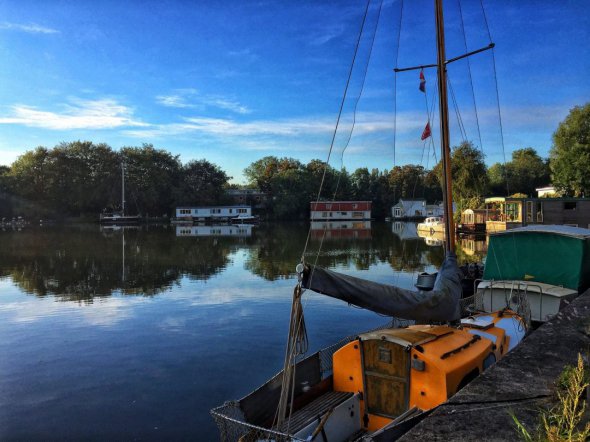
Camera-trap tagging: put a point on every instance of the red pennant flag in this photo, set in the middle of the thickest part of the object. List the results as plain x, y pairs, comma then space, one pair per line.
422, 82
426, 133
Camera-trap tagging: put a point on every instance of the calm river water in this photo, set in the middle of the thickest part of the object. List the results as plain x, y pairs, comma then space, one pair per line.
136, 334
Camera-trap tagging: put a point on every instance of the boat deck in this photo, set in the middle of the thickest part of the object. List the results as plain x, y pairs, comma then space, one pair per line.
303, 417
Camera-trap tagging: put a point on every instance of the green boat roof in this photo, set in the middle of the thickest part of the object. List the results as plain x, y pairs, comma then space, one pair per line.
558, 255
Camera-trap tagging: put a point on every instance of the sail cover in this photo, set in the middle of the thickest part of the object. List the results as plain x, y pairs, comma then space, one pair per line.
440, 304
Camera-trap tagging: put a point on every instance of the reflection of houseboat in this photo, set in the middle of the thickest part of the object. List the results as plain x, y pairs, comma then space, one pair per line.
433, 239
404, 230
546, 265
341, 229
475, 246
242, 230
508, 213
340, 210
473, 221
211, 213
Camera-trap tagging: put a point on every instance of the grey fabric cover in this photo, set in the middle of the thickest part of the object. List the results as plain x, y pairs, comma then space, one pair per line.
439, 305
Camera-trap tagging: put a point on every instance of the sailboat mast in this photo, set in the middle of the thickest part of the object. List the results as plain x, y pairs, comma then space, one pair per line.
444, 128
122, 188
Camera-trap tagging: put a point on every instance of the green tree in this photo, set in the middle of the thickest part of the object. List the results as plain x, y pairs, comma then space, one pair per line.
261, 172
497, 179
152, 178
29, 175
527, 171
202, 183
570, 154
468, 171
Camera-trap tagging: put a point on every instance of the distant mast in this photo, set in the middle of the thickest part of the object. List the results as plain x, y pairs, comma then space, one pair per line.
444, 128
123, 188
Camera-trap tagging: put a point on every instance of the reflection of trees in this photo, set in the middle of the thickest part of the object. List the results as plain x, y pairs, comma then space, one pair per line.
279, 249
82, 263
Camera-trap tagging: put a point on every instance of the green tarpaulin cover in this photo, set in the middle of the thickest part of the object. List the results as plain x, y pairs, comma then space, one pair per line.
558, 255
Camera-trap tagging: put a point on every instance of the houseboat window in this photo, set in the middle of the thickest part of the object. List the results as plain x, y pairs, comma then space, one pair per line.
355, 206
328, 206
185, 211
231, 210
513, 212
344, 213
569, 205
398, 211
529, 211
324, 214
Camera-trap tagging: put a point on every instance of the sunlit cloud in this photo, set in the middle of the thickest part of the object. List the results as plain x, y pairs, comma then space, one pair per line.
172, 101
365, 123
30, 28
81, 114
191, 98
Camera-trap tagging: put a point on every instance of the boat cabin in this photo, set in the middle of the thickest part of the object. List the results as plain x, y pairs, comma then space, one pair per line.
508, 213
375, 380
473, 221
550, 265
340, 210
209, 213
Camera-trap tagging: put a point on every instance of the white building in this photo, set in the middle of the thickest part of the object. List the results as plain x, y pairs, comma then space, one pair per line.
409, 209
547, 191
212, 213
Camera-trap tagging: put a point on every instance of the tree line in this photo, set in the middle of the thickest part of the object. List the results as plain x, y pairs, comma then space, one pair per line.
82, 178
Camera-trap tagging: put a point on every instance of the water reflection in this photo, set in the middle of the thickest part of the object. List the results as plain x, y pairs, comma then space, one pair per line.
83, 263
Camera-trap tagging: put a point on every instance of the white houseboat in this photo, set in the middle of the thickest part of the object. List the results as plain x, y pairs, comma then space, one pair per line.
212, 213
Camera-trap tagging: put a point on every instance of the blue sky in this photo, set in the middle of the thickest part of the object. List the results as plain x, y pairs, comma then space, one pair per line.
233, 81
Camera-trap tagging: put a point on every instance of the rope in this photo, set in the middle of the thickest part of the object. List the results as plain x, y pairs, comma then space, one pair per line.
497, 97
297, 344
399, 31
470, 76
338, 119
456, 108
356, 102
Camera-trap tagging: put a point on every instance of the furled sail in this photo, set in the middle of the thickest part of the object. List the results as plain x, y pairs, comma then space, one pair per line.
440, 304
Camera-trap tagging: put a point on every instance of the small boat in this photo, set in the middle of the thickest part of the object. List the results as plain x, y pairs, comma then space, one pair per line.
432, 224
245, 219
119, 217
372, 385
547, 265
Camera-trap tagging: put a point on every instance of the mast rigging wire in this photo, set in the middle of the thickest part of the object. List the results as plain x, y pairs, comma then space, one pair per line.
497, 97
470, 76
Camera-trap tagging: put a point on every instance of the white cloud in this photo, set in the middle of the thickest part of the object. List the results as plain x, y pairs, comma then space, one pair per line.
173, 101
30, 28
190, 98
365, 123
81, 114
